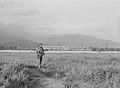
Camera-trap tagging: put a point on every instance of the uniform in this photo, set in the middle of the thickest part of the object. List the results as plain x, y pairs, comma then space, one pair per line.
40, 53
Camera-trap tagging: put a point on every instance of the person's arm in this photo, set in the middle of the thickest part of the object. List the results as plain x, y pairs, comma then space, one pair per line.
43, 51
36, 50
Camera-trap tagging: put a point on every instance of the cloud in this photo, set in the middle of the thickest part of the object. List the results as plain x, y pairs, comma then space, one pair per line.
22, 12
89, 17
9, 4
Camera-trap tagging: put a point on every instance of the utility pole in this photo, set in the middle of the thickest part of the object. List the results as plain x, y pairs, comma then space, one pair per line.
59, 46
82, 48
107, 47
83, 51
60, 49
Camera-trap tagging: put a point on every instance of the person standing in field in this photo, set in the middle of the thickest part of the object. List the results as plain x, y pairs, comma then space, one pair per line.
40, 53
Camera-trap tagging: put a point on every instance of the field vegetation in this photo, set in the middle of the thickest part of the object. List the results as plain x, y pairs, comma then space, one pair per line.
60, 71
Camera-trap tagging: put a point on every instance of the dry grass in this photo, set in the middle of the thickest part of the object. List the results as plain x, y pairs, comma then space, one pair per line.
74, 70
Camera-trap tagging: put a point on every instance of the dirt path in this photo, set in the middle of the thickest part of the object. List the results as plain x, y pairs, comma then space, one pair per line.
44, 77
49, 81
53, 83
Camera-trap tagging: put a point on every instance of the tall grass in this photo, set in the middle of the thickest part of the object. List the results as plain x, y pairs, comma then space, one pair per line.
88, 72
20, 76
74, 70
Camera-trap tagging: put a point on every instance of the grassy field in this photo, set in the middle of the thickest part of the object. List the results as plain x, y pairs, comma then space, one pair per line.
71, 70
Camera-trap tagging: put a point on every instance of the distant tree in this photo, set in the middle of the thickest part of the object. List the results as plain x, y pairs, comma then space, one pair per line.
15, 47
7, 48
11, 47
1, 47
94, 49
102, 49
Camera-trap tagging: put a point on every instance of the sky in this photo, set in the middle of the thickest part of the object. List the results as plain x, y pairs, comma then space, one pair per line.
97, 18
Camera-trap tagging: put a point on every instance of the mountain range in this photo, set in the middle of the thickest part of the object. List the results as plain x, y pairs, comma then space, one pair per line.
24, 39
15, 38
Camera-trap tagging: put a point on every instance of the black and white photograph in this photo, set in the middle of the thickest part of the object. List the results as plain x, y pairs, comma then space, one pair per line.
59, 43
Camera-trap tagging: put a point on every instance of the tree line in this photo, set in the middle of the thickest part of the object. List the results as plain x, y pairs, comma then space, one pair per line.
3, 47
15, 47
104, 49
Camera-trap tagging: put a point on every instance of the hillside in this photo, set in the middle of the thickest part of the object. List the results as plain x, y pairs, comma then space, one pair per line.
24, 39
77, 40
14, 39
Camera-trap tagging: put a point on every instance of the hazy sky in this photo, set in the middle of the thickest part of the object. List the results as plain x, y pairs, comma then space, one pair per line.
97, 18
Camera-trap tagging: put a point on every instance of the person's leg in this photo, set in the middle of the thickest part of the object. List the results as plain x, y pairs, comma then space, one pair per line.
37, 56
40, 60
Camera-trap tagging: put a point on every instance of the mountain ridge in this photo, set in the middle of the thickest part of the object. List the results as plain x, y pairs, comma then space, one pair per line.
11, 39
15, 37
78, 40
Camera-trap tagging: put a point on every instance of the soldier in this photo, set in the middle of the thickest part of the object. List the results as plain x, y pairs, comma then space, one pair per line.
40, 53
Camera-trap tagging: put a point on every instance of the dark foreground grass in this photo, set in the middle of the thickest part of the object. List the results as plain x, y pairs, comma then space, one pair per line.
21, 76
26, 76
